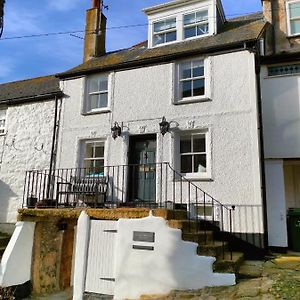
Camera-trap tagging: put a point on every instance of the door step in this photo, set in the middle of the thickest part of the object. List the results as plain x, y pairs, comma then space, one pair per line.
229, 264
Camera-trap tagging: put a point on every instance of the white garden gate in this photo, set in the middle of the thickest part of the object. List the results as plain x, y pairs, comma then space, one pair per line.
100, 275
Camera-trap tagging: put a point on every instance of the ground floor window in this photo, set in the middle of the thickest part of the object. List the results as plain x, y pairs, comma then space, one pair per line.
2, 121
194, 153
93, 160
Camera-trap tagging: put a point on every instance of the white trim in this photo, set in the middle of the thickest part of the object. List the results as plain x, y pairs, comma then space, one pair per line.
207, 81
86, 95
208, 149
3, 128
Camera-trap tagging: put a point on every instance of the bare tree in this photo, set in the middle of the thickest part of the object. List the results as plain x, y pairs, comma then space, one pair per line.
1, 16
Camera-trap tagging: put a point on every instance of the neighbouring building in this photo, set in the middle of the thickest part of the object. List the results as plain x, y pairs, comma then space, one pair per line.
27, 110
280, 71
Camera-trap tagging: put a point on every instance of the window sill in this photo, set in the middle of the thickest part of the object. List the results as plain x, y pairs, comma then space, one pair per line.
96, 111
3, 134
197, 177
192, 100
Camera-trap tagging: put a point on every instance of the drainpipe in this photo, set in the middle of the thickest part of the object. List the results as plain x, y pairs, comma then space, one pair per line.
262, 151
53, 154
273, 27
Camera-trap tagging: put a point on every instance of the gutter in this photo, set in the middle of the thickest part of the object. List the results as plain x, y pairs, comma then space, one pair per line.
21, 100
160, 59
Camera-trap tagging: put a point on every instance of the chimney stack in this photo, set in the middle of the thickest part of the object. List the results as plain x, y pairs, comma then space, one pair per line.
95, 30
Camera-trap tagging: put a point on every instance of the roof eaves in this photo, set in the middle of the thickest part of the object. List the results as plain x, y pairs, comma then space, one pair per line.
152, 60
32, 98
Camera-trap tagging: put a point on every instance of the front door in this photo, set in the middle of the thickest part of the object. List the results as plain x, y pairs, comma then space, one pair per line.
142, 170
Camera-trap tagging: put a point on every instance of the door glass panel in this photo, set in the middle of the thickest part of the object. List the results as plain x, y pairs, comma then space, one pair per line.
185, 145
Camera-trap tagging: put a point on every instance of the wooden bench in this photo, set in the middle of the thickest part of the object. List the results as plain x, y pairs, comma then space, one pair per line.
89, 190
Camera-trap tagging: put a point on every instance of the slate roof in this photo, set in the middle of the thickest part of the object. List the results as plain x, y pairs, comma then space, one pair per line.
31, 89
233, 34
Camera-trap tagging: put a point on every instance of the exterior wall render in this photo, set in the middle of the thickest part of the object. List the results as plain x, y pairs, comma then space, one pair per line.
139, 99
25, 146
281, 115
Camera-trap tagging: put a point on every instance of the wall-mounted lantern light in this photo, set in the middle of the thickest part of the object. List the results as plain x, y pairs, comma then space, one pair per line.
164, 126
116, 131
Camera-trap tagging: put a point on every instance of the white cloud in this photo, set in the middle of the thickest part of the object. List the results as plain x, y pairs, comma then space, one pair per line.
63, 5
18, 21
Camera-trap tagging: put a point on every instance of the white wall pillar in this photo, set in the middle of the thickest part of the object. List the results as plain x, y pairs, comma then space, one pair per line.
276, 205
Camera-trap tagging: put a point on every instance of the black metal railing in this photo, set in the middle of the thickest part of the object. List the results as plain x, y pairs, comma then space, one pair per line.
152, 185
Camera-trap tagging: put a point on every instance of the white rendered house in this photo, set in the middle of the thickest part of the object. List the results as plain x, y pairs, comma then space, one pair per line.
183, 111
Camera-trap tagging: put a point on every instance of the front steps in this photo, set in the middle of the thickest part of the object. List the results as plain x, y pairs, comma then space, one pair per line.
225, 261
4, 240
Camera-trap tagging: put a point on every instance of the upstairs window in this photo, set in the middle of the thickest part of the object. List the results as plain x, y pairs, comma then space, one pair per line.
191, 79
2, 121
164, 31
94, 157
96, 93
195, 24
293, 9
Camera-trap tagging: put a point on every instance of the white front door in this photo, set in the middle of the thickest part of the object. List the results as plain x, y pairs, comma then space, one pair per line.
100, 277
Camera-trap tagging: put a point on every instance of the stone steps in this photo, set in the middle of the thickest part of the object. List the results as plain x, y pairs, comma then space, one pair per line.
207, 246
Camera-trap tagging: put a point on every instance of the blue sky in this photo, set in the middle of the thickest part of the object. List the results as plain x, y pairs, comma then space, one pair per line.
32, 57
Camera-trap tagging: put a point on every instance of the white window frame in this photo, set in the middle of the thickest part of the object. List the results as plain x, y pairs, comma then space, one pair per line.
84, 144
179, 16
288, 17
164, 32
196, 24
87, 94
3, 128
207, 82
197, 175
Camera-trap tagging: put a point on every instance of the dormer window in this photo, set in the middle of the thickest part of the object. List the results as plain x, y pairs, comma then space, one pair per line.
164, 31
196, 24
182, 20
293, 11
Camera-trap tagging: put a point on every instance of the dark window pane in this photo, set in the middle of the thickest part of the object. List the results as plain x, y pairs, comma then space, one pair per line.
88, 164
93, 85
99, 151
189, 32
199, 143
185, 146
94, 99
202, 29
99, 166
186, 89
89, 150
186, 164
170, 23
103, 84
201, 16
189, 19
159, 26
158, 39
171, 36
200, 163
186, 71
198, 69
103, 100
198, 87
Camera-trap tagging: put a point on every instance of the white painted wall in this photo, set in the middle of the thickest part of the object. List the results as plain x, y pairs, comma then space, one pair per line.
281, 115
172, 265
140, 98
276, 205
26, 146
15, 268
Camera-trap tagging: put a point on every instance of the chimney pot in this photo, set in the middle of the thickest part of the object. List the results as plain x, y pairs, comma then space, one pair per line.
96, 3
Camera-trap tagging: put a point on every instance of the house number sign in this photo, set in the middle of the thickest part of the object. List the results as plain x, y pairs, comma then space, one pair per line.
143, 236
